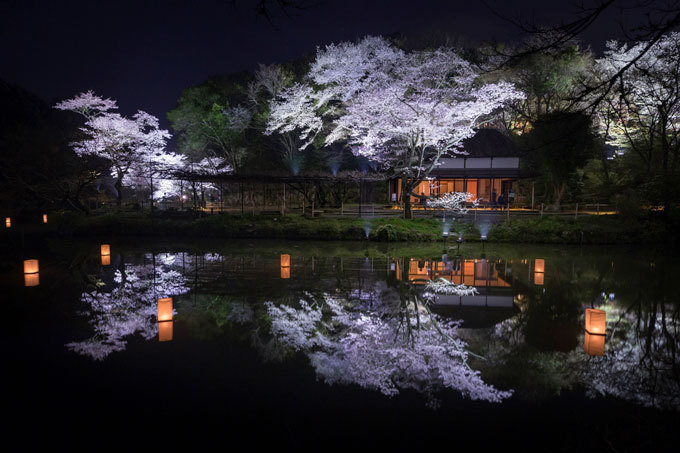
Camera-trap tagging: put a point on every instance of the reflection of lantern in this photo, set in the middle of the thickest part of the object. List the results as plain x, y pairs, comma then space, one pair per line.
285, 272
164, 309
31, 267
44, 218
106, 249
539, 265
106, 260
285, 260
32, 279
593, 344
596, 321
8, 222
165, 331
538, 278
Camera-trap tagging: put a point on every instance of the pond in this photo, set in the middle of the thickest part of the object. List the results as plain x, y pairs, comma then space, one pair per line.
372, 343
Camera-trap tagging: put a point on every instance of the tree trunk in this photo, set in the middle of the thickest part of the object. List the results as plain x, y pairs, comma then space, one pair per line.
406, 197
119, 190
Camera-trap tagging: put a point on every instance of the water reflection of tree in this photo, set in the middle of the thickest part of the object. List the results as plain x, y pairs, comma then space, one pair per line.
130, 306
388, 343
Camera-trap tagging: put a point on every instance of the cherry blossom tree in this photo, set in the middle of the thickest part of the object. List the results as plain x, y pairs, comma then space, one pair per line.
454, 202
404, 110
125, 142
642, 114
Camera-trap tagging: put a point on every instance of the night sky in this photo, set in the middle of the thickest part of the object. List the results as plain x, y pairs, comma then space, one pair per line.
143, 53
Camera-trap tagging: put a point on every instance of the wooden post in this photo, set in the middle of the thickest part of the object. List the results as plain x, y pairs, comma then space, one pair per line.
541, 210
598, 208
372, 209
342, 209
283, 211
532, 195
576, 212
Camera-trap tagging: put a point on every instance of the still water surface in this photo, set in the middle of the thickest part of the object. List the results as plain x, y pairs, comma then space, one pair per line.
288, 333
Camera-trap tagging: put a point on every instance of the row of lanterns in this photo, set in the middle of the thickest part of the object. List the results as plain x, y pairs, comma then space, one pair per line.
8, 221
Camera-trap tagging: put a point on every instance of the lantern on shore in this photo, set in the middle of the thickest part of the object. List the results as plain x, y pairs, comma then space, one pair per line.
105, 250
165, 331
539, 278
593, 344
31, 267
285, 266
106, 260
8, 222
31, 279
31, 276
44, 218
164, 309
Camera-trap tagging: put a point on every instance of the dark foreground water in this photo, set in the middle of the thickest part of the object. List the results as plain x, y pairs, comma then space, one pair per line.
322, 345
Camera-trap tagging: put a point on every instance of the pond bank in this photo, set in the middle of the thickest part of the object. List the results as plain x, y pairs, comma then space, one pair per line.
547, 230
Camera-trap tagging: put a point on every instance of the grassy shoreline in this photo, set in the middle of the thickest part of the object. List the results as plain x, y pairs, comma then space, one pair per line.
547, 230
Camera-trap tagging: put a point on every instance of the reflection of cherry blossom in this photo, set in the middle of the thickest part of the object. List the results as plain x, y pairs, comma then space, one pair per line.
346, 345
129, 308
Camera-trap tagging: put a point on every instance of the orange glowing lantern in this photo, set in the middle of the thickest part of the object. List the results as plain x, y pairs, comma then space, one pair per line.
165, 331
285, 272
593, 344
106, 249
164, 309
285, 260
106, 260
539, 278
31, 279
31, 267
8, 222
596, 321
44, 218
539, 265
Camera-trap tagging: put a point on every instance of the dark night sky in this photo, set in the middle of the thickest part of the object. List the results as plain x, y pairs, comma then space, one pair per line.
143, 53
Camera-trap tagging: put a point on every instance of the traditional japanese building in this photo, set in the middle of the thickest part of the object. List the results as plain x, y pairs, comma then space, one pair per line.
489, 171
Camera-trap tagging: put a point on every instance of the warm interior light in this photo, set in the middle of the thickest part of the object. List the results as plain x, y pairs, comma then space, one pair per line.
539, 265
31, 267
32, 279
285, 272
165, 331
596, 321
106, 260
593, 344
44, 218
285, 260
8, 222
164, 309
106, 249
538, 278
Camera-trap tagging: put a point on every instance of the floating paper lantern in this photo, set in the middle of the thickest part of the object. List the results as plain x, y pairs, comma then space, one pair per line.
538, 278
593, 344
539, 265
285, 260
44, 218
165, 331
105, 249
596, 321
285, 272
106, 260
164, 310
8, 222
31, 279
31, 267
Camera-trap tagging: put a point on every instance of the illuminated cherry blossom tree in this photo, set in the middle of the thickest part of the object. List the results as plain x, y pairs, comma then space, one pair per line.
404, 110
125, 142
454, 202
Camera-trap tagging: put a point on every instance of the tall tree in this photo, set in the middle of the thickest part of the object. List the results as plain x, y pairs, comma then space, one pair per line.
402, 109
124, 142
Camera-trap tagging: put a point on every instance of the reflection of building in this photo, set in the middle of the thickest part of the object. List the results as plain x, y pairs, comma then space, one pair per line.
489, 171
492, 279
